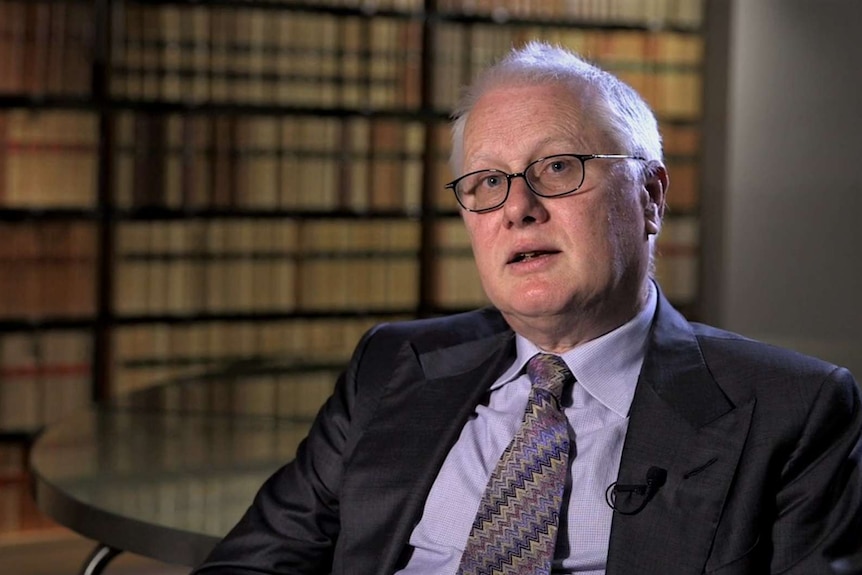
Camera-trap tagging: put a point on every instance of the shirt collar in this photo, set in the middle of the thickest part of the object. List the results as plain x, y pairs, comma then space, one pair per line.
606, 367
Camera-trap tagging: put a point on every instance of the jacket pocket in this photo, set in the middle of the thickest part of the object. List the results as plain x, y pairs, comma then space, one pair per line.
752, 560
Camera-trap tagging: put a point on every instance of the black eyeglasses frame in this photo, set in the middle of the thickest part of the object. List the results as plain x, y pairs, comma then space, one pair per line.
583, 158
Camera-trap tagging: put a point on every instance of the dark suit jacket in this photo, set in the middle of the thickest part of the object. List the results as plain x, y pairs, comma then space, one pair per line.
761, 445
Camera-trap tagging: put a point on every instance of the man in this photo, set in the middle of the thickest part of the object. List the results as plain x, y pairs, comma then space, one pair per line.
688, 449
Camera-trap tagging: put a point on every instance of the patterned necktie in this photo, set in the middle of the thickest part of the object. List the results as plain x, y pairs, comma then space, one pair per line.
515, 529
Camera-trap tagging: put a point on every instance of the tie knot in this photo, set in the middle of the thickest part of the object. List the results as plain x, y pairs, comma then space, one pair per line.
548, 372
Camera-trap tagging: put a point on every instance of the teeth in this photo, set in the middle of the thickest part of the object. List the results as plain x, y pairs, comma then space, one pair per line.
527, 256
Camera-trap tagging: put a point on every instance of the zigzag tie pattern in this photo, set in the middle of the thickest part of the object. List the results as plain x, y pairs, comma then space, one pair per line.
515, 529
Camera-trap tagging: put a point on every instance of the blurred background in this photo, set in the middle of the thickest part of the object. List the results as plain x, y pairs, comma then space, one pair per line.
191, 187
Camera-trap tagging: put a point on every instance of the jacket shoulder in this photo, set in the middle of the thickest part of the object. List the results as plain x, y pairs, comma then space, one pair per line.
440, 332
745, 367
722, 347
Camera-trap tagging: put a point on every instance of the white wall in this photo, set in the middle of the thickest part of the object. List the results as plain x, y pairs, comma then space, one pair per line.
783, 186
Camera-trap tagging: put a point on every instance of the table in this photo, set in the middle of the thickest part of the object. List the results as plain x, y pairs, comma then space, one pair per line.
167, 472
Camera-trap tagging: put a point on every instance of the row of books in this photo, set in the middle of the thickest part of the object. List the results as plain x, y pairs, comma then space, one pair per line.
204, 54
293, 163
266, 266
664, 67
48, 269
211, 266
44, 376
677, 261
681, 145
302, 163
455, 279
46, 47
198, 53
230, 266
278, 266
683, 13
48, 159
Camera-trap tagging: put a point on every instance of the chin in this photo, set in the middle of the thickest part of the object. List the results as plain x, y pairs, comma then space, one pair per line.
535, 306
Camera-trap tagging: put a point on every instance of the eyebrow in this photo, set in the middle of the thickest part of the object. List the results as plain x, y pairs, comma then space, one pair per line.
486, 159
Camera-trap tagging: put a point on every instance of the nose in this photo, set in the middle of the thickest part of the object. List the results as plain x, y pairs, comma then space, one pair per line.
523, 207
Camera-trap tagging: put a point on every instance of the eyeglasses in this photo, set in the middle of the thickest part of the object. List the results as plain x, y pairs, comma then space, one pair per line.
550, 177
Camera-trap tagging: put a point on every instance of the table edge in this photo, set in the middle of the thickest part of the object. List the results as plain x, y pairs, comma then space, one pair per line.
158, 542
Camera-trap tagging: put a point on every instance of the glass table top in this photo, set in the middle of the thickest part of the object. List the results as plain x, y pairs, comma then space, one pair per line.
161, 477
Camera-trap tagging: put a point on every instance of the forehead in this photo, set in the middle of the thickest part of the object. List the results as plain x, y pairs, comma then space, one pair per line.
522, 119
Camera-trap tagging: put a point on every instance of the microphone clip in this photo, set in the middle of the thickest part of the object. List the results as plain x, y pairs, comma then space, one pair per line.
655, 479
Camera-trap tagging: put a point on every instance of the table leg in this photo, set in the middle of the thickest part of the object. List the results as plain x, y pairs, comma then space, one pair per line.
99, 559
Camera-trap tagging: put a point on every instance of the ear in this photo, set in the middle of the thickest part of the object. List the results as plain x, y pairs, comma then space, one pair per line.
655, 190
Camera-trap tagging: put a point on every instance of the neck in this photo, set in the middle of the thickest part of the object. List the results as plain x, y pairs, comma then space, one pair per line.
560, 332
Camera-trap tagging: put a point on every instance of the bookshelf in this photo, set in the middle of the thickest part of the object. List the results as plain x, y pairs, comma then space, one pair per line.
188, 185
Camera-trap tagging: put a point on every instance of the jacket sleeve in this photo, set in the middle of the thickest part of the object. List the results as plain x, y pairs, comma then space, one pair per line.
293, 522
818, 526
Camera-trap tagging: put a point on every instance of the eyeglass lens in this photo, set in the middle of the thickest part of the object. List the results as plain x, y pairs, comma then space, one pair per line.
553, 176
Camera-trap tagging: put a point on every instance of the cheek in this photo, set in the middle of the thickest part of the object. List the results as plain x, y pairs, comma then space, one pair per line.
590, 228
483, 254
628, 224
480, 242
626, 239
598, 240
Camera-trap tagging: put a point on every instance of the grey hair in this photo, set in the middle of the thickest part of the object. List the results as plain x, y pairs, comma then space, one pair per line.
610, 104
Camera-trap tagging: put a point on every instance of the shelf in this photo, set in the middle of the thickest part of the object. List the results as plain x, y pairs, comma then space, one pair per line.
71, 102
208, 108
232, 179
160, 213
496, 16
31, 215
55, 323
45, 324
367, 10
501, 17
298, 315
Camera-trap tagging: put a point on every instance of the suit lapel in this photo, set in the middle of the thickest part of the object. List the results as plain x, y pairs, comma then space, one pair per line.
682, 422
423, 410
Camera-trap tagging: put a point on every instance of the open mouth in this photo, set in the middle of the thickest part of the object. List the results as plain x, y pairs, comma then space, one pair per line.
527, 256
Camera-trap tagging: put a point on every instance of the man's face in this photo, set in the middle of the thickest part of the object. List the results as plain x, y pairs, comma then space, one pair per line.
588, 253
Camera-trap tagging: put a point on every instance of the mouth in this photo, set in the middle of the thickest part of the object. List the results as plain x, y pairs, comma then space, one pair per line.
521, 257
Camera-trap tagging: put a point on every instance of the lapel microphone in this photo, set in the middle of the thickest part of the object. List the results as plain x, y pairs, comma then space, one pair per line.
655, 479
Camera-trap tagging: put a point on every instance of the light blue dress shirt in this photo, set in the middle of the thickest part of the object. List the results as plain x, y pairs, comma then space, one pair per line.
597, 408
